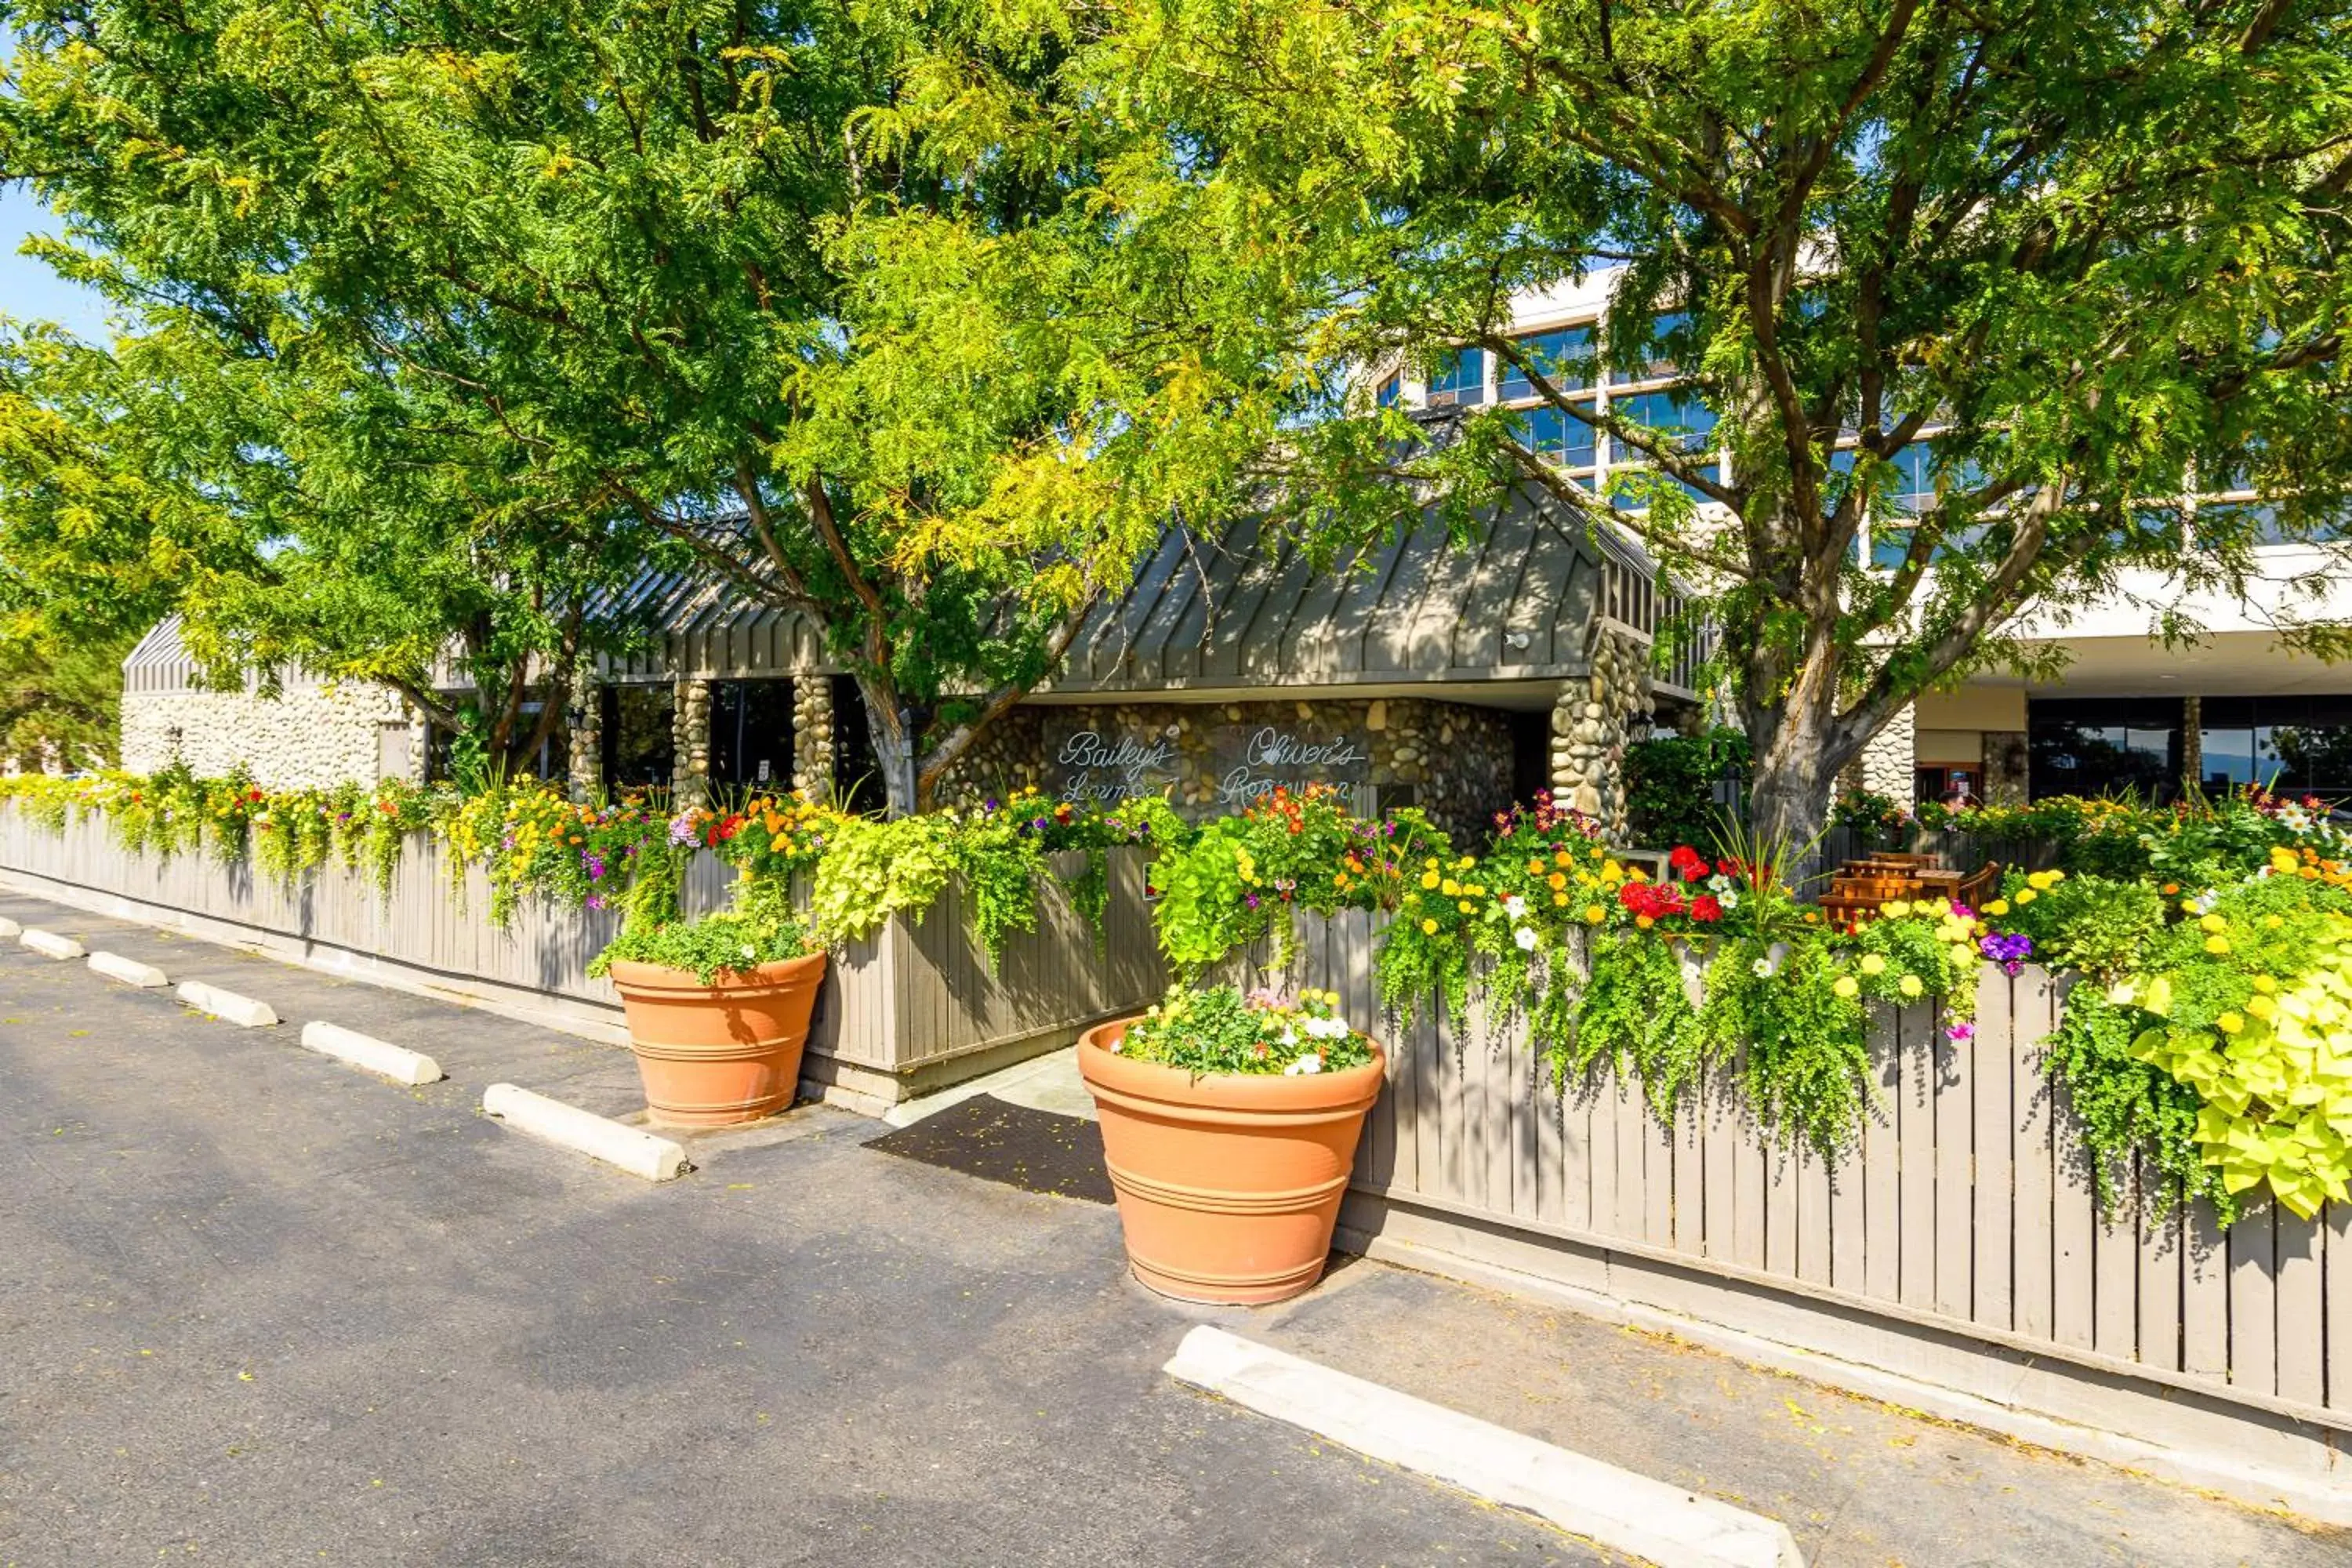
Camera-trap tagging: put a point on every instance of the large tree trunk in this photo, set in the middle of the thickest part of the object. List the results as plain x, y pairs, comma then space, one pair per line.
1798, 747
896, 740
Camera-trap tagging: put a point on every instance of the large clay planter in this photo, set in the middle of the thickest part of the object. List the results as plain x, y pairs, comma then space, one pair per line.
1228, 1185
712, 1056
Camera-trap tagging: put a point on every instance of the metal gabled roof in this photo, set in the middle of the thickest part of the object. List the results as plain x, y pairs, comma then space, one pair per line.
1249, 611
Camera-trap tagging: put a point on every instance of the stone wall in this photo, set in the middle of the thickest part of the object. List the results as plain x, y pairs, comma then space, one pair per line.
1887, 759
1451, 760
813, 737
310, 737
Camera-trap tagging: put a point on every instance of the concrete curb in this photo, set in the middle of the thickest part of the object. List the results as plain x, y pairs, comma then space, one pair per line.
9, 929
49, 944
1617, 1509
129, 971
369, 1054
226, 1005
638, 1153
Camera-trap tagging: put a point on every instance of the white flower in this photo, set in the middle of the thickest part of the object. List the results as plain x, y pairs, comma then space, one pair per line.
1763, 967
1118, 1046
2204, 901
1290, 1037
747, 949
1307, 1064
1516, 908
1327, 1029
1526, 937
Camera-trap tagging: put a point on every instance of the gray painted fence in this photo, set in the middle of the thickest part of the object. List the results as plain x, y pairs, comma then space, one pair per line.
1965, 1222
911, 1007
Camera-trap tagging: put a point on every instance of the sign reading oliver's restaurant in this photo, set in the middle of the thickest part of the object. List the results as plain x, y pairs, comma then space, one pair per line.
1225, 766
1251, 762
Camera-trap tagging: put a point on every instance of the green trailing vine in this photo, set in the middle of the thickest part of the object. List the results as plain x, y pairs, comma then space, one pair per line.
1637, 1016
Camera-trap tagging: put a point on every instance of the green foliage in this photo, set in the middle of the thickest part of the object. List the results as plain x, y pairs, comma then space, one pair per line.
2079, 255
1670, 785
2126, 1108
2092, 923
1221, 1030
759, 929
60, 695
1638, 1014
1806, 1073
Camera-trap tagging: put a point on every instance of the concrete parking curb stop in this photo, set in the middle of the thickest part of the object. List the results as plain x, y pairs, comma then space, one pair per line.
49, 944
226, 1005
630, 1149
129, 971
369, 1054
9, 929
1616, 1508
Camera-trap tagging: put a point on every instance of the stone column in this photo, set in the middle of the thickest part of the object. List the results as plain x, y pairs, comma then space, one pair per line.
690, 733
813, 736
1889, 758
1590, 729
420, 736
586, 752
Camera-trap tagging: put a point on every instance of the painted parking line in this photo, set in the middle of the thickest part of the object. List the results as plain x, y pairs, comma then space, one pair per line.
1616, 1507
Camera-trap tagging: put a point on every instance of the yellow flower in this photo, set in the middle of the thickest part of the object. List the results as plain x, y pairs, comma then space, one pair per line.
2040, 881
2265, 984
1452, 889
1429, 928
1535, 868
1896, 909
1560, 898
1557, 880
2214, 922
1873, 963
2217, 944
2024, 895
2272, 923
1644, 921
1429, 879
2282, 859
1909, 985
2188, 906
1997, 908
1594, 853
2056, 878
2230, 1023
1847, 986
1466, 862
1467, 907
2261, 1006
1594, 914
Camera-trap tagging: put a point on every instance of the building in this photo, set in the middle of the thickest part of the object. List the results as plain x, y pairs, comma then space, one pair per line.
2236, 707
1413, 673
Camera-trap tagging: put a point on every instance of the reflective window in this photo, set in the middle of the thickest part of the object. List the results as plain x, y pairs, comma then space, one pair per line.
1561, 436
1460, 380
1649, 359
1565, 358
1680, 415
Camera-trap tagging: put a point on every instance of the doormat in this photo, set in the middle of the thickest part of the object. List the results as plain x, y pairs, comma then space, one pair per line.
998, 1140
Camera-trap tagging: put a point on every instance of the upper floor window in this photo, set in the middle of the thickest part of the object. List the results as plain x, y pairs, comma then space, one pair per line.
1564, 358
1565, 439
1385, 394
1649, 359
1459, 380
1678, 419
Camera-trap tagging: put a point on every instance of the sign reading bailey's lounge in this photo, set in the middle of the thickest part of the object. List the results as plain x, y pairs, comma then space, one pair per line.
1090, 764
1253, 761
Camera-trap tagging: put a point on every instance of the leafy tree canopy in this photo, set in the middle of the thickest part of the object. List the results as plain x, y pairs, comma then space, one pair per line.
2093, 256
772, 284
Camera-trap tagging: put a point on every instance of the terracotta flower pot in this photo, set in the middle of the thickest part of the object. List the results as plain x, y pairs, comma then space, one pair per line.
1228, 1185
712, 1056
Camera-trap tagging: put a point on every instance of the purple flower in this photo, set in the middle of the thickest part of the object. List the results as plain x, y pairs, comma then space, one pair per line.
2008, 949
1959, 1032
596, 865
595, 900
1251, 900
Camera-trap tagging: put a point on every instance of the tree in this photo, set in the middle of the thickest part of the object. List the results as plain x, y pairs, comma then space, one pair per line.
293, 514
2082, 259
60, 699
776, 281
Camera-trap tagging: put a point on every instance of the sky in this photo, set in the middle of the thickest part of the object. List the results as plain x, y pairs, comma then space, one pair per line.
29, 292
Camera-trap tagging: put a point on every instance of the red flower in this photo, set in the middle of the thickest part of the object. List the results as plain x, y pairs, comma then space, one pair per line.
1687, 862
1705, 907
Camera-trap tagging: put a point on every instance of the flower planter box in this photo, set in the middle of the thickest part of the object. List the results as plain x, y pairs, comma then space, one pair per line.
913, 1008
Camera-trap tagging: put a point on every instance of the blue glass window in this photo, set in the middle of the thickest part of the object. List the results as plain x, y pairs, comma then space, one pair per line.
1677, 418
1565, 358
1386, 396
1460, 380
1563, 437
1648, 360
